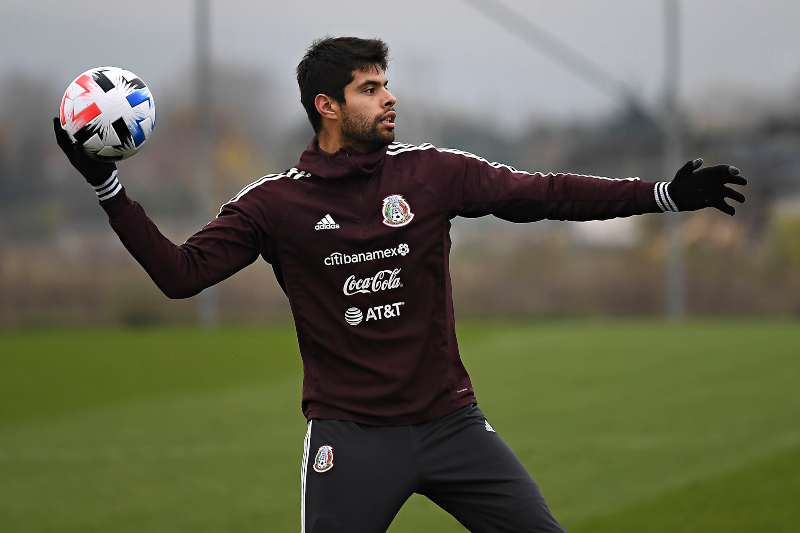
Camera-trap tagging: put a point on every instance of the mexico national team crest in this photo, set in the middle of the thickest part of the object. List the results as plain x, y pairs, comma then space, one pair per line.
396, 211
323, 461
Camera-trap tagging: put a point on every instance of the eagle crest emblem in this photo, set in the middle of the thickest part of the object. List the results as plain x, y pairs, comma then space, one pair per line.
395, 211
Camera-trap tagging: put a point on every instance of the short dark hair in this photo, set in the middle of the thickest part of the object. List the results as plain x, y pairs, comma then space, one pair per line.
328, 67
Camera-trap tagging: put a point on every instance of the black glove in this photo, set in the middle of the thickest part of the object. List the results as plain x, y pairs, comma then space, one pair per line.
695, 188
101, 175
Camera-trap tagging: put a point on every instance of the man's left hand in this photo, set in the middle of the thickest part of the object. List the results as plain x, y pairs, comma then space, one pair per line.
695, 188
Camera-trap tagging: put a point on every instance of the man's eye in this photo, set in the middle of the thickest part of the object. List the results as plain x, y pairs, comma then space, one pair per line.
370, 90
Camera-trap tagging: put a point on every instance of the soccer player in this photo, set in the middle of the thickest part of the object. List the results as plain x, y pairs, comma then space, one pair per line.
358, 236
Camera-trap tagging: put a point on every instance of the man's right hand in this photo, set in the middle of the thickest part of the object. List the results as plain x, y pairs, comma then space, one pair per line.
94, 171
101, 175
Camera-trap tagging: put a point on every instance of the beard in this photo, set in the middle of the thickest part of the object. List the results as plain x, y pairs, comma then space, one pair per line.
364, 133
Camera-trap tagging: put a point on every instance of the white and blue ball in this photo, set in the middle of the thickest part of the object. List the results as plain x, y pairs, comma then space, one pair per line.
108, 111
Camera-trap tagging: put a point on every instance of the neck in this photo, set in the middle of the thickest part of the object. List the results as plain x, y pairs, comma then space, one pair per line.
331, 142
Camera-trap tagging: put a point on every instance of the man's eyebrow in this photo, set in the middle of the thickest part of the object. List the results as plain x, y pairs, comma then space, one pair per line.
372, 82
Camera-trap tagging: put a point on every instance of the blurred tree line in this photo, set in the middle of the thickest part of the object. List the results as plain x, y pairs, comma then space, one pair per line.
61, 263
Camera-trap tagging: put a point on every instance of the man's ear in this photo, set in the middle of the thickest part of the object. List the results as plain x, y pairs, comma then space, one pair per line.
326, 106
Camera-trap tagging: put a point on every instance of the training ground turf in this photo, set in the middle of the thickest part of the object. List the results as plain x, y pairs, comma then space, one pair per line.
627, 426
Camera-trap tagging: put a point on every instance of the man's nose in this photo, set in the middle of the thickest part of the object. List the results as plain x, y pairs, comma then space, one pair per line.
391, 101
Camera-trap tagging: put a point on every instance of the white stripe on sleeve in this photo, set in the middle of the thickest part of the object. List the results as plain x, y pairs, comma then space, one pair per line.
663, 199
671, 204
108, 188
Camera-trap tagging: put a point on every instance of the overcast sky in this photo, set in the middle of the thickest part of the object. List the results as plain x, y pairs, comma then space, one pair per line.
443, 50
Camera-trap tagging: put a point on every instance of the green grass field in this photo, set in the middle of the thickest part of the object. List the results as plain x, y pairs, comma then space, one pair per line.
627, 426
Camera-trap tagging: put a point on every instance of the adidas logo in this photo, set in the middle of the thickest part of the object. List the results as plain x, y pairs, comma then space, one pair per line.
326, 223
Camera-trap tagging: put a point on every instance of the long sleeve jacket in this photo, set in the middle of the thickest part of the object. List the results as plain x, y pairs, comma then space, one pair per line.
360, 244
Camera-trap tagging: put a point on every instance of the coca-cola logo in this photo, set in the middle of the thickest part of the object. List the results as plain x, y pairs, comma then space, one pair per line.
383, 280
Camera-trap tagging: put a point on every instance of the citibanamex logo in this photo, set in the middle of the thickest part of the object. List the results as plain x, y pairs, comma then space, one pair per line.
383, 280
339, 258
354, 316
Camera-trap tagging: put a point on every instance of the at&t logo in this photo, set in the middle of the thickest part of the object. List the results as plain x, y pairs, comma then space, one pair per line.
354, 316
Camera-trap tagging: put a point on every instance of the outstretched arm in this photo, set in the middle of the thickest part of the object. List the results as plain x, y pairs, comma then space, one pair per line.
519, 196
222, 247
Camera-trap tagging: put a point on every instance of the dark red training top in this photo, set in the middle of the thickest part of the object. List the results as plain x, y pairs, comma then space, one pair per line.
360, 244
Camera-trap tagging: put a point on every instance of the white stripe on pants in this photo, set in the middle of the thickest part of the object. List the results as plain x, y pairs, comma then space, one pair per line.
303, 472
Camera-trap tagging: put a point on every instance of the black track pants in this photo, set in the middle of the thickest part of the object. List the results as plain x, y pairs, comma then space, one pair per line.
355, 477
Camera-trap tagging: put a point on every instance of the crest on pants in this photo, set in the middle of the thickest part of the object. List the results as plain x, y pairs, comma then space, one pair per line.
323, 461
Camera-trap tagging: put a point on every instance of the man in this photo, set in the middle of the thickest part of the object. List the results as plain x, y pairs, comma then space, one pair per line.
358, 236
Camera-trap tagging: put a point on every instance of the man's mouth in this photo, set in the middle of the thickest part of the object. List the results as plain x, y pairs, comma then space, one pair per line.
388, 119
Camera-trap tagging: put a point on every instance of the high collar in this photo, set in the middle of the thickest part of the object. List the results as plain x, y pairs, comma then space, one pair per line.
341, 164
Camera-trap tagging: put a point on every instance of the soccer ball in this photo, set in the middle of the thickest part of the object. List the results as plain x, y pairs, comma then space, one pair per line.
109, 112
